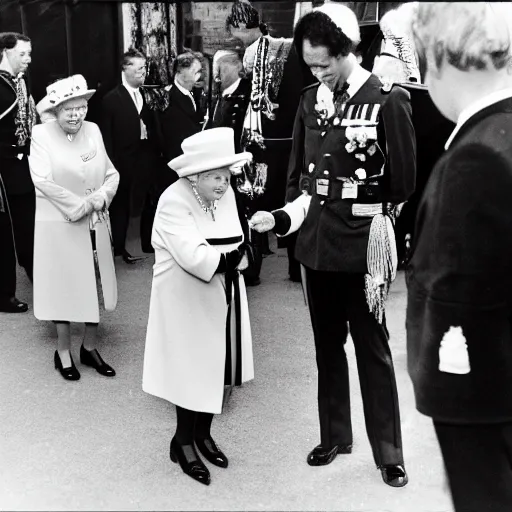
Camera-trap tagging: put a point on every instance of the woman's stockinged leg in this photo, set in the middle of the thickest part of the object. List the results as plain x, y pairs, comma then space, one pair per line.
90, 336
64, 342
203, 425
185, 425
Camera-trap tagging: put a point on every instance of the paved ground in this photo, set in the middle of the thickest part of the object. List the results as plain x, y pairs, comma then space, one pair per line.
102, 444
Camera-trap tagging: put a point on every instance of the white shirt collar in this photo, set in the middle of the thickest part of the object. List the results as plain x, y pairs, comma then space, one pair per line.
128, 86
186, 92
357, 77
476, 107
232, 88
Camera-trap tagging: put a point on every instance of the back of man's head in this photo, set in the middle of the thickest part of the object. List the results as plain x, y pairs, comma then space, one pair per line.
466, 35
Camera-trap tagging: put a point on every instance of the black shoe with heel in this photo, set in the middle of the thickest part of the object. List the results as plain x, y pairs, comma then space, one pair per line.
70, 372
92, 358
189, 461
211, 452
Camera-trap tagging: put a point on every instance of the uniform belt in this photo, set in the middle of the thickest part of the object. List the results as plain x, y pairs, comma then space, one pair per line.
367, 210
333, 189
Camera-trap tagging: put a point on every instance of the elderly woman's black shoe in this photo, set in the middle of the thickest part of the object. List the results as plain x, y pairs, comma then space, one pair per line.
92, 358
189, 461
69, 373
211, 452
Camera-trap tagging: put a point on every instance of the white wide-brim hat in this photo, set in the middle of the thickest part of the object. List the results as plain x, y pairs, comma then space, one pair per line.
63, 90
208, 150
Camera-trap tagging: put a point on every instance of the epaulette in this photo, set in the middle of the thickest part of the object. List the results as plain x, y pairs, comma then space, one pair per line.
309, 87
387, 86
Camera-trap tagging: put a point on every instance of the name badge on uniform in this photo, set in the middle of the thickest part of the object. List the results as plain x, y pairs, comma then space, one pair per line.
322, 187
349, 191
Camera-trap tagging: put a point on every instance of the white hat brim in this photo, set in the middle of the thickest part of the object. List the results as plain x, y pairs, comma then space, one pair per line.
45, 105
185, 165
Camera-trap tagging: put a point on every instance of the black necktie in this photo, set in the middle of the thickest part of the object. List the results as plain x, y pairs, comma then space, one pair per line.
341, 97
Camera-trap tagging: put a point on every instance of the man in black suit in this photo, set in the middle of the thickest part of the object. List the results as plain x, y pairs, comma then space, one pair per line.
17, 194
459, 311
128, 131
354, 156
182, 118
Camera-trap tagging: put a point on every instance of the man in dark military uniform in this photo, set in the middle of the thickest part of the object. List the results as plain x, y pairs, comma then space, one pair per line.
353, 161
459, 309
17, 193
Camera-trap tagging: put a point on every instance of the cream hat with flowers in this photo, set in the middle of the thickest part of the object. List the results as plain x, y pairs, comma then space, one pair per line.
63, 90
208, 150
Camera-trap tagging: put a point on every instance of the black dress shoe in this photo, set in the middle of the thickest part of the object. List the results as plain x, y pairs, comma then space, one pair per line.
70, 372
189, 461
252, 281
321, 456
394, 475
92, 358
211, 452
13, 305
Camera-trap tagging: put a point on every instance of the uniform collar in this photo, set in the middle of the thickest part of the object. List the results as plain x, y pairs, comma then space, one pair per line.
476, 107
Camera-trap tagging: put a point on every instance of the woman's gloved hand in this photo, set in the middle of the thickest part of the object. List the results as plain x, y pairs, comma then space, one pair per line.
262, 222
229, 261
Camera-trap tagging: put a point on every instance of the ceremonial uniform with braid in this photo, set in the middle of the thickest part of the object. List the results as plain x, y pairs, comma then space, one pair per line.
349, 169
17, 206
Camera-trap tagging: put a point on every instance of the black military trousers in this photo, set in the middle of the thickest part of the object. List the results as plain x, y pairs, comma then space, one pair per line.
134, 197
478, 462
23, 217
337, 301
7, 255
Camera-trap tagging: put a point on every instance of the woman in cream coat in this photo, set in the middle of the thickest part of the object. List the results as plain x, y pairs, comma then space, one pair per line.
75, 182
197, 291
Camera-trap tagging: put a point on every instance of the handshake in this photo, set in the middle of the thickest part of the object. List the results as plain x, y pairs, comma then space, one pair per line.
262, 222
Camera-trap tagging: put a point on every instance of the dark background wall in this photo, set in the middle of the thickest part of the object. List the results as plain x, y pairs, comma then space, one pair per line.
68, 37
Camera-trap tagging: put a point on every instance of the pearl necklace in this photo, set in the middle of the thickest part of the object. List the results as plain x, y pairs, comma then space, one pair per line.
206, 209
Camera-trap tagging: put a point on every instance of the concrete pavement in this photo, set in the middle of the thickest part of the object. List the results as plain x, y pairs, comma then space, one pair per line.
102, 444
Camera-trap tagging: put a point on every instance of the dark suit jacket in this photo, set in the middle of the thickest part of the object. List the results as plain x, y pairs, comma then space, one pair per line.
459, 274
331, 238
230, 110
120, 127
178, 122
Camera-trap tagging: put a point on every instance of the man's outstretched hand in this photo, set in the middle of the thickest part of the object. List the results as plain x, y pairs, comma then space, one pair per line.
262, 222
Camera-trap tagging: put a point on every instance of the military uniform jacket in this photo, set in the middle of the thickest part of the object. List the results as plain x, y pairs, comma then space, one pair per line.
459, 312
331, 238
16, 175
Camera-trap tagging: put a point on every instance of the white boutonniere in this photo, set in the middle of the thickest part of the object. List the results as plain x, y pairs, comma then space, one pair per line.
324, 103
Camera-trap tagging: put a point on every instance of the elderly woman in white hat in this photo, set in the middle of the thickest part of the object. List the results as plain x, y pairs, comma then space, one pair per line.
198, 335
75, 182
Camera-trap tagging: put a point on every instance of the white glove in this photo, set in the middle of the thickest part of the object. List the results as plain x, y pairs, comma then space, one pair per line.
244, 263
262, 222
97, 201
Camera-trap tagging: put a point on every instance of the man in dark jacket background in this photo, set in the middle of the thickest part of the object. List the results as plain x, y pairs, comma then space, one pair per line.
459, 311
132, 144
17, 193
